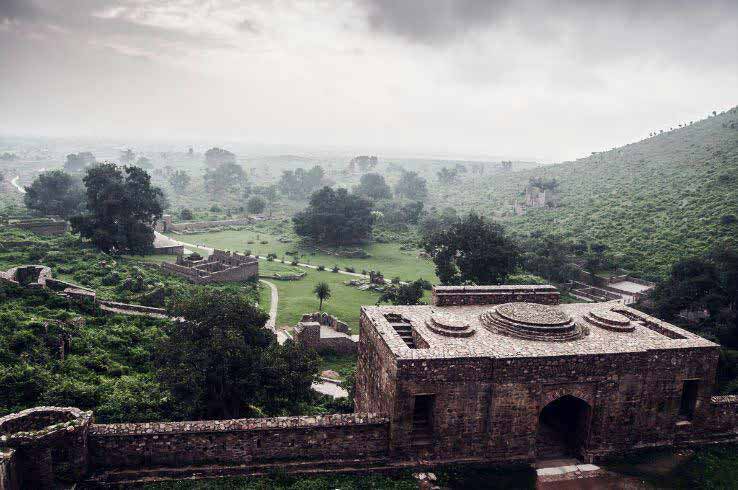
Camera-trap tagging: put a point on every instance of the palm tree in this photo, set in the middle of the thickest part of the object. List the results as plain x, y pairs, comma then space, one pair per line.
323, 292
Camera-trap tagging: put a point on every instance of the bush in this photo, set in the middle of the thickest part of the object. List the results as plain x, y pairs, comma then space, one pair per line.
271, 257
425, 284
349, 269
335, 268
215, 209
186, 215
395, 280
321, 267
294, 262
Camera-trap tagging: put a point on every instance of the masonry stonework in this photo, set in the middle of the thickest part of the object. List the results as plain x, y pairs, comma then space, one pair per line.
495, 374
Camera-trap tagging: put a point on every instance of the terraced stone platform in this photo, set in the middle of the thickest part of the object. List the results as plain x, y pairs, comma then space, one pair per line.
610, 320
532, 321
449, 325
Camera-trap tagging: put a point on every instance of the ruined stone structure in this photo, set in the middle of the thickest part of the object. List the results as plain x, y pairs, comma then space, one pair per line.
42, 226
325, 333
508, 374
165, 225
220, 266
495, 374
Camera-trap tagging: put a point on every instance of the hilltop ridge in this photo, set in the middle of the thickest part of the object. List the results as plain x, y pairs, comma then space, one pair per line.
652, 202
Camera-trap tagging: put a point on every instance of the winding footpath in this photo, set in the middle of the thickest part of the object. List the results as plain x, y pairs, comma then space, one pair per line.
17, 185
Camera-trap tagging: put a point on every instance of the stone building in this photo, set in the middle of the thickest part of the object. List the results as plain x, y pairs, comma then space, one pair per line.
325, 333
220, 266
509, 374
485, 374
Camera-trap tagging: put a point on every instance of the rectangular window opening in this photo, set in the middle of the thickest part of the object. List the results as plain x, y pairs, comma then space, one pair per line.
689, 399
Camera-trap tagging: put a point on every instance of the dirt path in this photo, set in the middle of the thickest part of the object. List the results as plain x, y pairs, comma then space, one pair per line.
273, 303
18, 186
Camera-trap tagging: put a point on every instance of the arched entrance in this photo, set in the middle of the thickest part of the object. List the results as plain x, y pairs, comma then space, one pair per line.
563, 427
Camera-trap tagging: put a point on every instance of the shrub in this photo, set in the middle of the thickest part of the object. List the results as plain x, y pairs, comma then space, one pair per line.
395, 280
294, 262
349, 269
215, 209
425, 284
335, 268
186, 214
321, 267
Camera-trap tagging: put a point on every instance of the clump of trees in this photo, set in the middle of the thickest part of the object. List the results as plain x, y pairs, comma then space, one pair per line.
121, 209
411, 186
256, 205
55, 193
335, 217
179, 180
447, 176
222, 363
77, 162
300, 183
404, 294
374, 187
225, 177
218, 156
472, 250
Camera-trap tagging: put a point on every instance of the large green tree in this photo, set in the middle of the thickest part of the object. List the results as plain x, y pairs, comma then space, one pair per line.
299, 183
412, 186
218, 156
374, 187
222, 363
472, 250
335, 217
226, 177
77, 162
55, 192
122, 208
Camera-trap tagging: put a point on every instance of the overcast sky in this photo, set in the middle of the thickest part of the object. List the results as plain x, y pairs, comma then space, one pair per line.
547, 80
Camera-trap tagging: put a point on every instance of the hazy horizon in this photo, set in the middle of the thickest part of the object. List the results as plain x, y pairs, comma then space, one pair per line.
525, 80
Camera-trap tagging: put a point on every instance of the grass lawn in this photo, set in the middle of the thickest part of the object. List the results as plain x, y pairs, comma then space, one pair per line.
297, 298
385, 257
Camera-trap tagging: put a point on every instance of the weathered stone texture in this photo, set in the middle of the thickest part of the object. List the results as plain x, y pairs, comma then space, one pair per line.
221, 266
493, 295
238, 441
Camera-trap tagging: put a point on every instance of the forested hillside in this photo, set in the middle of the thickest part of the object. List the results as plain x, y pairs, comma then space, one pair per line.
652, 202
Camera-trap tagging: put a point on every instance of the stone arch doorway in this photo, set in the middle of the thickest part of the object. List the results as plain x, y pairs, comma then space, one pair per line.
563, 428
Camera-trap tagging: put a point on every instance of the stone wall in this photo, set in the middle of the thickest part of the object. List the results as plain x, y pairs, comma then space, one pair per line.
186, 226
376, 371
9, 470
44, 227
493, 295
242, 441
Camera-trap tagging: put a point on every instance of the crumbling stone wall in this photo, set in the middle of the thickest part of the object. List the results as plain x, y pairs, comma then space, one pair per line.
323, 332
43, 226
221, 266
241, 441
493, 295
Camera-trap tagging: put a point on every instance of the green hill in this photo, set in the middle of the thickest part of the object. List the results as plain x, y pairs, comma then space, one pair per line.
652, 202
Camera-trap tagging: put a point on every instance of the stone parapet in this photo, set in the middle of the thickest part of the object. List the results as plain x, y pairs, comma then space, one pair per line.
239, 441
493, 295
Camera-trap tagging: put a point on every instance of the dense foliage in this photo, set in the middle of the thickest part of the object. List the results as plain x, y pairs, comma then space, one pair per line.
225, 177
411, 186
77, 162
55, 193
222, 363
218, 156
122, 207
300, 183
374, 187
472, 250
335, 217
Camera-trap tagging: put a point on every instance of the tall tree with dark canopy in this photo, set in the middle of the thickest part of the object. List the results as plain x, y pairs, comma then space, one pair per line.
411, 186
218, 156
77, 162
472, 250
374, 187
226, 177
222, 363
335, 217
122, 208
56, 193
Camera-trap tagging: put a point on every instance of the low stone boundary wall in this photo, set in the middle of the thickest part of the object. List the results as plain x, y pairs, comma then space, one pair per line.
9, 471
493, 295
134, 308
204, 225
240, 441
724, 410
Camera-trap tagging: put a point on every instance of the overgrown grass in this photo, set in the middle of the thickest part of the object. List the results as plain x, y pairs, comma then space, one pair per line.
404, 481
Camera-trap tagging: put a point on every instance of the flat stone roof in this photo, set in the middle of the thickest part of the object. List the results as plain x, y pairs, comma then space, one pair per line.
649, 333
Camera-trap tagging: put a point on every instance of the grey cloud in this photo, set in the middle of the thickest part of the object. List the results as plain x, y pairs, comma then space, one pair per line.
433, 21
12, 10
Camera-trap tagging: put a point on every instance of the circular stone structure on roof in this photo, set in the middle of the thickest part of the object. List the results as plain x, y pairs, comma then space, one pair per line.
532, 321
607, 318
449, 325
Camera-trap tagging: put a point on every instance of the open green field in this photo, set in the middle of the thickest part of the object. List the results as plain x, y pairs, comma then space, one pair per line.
388, 258
297, 297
